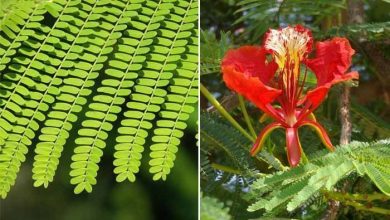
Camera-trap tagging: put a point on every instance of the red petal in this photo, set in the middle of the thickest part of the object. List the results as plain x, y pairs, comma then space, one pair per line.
333, 58
317, 95
321, 133
294, 149
245, 71
251, 61
263, 136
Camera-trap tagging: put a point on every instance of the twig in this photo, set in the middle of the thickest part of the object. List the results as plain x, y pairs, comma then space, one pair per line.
361, 197
223, 112
355, 12
350, 199
363, 207
346, 125
246, 116
225, 168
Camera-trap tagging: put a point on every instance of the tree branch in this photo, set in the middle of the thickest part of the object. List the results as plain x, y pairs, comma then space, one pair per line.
354, 14
345, 117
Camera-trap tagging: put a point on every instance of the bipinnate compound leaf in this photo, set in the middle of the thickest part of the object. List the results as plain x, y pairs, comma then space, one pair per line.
74, 73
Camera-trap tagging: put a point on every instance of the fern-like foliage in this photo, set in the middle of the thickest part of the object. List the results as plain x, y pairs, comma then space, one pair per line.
212, 209
229, 176
369, 124
212, 51
217, 134
293, 188
369, 31
100, 61
263, 14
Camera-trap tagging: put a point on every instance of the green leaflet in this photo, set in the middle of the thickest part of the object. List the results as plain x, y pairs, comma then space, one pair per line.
54, 75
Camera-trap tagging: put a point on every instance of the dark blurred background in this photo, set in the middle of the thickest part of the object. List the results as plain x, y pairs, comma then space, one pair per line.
176, 198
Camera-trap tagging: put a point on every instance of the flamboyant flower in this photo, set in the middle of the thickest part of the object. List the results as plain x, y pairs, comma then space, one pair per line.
273, 78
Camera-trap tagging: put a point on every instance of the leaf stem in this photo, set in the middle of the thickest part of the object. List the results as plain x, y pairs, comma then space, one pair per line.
367, 208
362, 197
350, 199
246, 116
223, 112
225, 168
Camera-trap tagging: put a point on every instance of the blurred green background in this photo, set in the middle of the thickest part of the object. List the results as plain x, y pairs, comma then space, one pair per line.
176, 198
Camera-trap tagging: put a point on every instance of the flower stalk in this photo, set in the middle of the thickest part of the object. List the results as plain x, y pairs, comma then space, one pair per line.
246, 116
223, 111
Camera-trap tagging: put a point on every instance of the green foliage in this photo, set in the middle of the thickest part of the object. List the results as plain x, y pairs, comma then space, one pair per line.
263, 14
212, 51
212, 209
369, 124
218, 135
295, 187
206, 169
90, 65
369, 31
13, 12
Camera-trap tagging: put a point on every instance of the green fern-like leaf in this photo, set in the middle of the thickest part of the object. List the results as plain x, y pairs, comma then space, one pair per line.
97, 61
324, 177
76, 87
206, 170
369, 31
212, 209
263, 14
26, 100
370, 124
379, 177
173, 115
212, 51
217, 134
323, 172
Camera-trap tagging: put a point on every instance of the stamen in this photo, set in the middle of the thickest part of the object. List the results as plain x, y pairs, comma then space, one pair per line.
287, 41
305, 111
289, 46
303, 84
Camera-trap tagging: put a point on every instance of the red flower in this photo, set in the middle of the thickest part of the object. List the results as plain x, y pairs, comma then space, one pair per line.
275, 84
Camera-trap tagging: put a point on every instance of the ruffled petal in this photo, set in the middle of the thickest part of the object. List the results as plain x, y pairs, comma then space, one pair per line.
245, 70
294, 150
251, 61
333, 58
316, 96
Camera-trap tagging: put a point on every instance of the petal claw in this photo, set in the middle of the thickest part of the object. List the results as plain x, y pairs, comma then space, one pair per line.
320, 132
294, 149
263, 136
